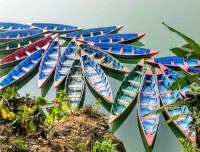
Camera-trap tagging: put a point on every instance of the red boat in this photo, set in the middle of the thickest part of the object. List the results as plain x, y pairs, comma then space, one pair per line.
22, 53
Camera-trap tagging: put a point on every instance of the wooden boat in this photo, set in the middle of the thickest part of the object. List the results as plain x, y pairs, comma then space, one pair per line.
55, 28
48, 63
173, 62
64, 64
92, 32
105, 60
127, 92
96, 78
24, 68
148, 101
124, 50
75, 83
168, 97
113, 38
190, 71
24, 52
8, 26
11, 46
18, 34
172, 75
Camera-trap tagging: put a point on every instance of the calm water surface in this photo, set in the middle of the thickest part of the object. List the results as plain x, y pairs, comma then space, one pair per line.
136, 16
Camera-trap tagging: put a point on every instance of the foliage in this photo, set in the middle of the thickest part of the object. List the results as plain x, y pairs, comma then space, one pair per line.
191, 50
188, 146
105, 146
29, 114
19, 144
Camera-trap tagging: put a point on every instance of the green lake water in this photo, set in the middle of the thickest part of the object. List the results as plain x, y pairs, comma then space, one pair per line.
136, 16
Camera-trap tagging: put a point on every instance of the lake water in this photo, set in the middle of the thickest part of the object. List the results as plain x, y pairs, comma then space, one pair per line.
136, 16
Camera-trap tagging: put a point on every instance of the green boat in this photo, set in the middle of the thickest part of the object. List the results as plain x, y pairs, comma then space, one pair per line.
127, 92
75, 83
11, 46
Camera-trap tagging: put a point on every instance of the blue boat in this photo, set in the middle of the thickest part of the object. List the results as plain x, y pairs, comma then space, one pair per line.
172, 75
48, 63
64, 64
148, 101
96, 78
190, 71
173, 62
24, 68
8, 26
113, 38
55, 28
75, 83
167, 97
17, 34
91, 32
105, 60
124, 50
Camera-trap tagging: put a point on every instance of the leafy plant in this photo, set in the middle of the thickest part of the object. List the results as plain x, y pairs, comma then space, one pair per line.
19, 144
105, 146
191, 50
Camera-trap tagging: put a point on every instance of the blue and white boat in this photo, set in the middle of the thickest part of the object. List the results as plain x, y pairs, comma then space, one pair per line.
96, 78
105, 60
64, 64
124, 50
148, 101
55, 28
92, 32
174, 62
24, 68
17, 34
167, 97
113, 38
173, 75
8, 26
48, 63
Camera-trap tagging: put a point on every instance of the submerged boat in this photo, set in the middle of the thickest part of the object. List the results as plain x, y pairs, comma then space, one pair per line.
124, 50
105, 60
148, 101
75, 83
24, 52
24, 68
167, 97
92, 32
64, 64
172, 75
190, 71
8, 26
127, 92
113, 38
48, 63
11, 46
96, 78
173, 62
18, 34
55, 28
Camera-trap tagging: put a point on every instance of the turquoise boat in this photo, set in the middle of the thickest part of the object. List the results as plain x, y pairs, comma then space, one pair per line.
127, 92
75, 83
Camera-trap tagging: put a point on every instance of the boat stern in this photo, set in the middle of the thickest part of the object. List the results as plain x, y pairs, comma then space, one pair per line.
112, 118
150, 139
162, 67
141, 62
125, 70
150, 61
158, 72
154, 52
109, 99
41, 83
57, 83
149, 71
